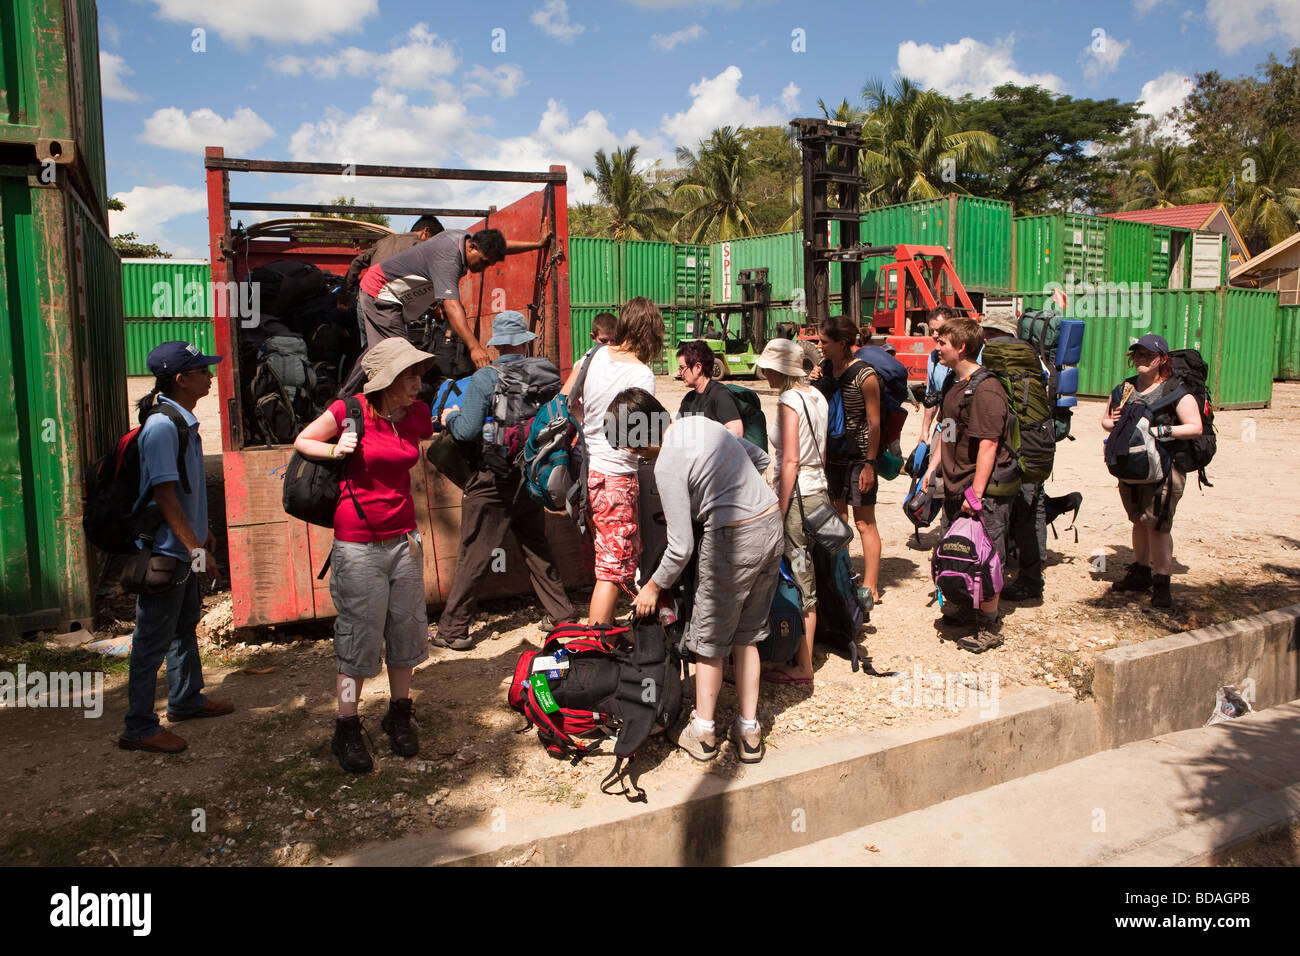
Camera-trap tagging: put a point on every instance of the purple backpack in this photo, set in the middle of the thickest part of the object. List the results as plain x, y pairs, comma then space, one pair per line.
965, 565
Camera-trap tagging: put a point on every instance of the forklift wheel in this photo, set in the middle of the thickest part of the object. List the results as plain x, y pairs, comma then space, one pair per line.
719, 369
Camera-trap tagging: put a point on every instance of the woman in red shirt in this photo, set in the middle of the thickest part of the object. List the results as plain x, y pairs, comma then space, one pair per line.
377, 563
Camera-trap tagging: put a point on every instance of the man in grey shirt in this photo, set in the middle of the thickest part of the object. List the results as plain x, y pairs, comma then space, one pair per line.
706, 472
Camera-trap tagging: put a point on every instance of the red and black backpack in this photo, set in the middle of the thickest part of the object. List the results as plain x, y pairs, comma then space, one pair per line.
588, 685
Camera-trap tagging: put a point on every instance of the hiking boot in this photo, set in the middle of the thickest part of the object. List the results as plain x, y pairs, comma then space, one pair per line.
349, 747
459, 644
748, 743
163, 742
1160, 596
397, 724
1136, 578
988, 634
1023, 590
702, 747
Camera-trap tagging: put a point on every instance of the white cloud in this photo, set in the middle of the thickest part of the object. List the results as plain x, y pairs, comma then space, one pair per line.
1101, 56
173, 129
552, 17
717, 102
504, 81
1240, 23
110, 32
148, 207
418, 63
280, 21
113, 72
790, 98
969, 66
1162, 95
666, 42
1143, 7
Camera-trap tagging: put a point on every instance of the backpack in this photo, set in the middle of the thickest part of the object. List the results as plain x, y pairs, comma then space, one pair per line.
447, 454
1192, 455
1033, 424
110, 517
1131, 451
523, 387
784, 621
282, 391
312, 488
1007, 481
837, 440
965, 565
892, 376
1044, 329
841, 611
920, 507
586, 686
554, 459
287, 283
751, 414
327, 342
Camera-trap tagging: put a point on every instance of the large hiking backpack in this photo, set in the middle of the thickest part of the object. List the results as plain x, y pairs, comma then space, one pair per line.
523, 387
1059, 344
110, 519
892, 376
752, 418
965, 566
1192, 455
1132, 453
586, 686
446, 453
840, 608
1033, 427
282, 391
286, 284
554, 460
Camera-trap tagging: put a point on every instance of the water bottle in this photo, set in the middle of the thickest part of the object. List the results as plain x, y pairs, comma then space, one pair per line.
489, 431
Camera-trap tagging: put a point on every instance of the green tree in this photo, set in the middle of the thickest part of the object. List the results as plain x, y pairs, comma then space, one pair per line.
1268, 202
915, 144
589, 219
714, 189
374, 217
775, 168
1048, 154
1160, 180
636, 209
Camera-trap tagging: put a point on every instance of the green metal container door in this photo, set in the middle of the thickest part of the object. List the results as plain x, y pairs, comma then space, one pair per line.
144, 335
1288, 343
1160, 249
646, 269
593, 271
1244, 348
982, 243
1061, 249
1128, 252
166, 289
691, 274
49, 75
781, 254
62, 397
1182, 317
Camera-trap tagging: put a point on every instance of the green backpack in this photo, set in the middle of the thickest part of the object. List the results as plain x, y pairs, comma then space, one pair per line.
751, 414
1033, 424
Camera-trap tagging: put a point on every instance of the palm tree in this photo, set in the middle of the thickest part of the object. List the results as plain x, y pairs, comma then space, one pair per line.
714, 187
1269, 207
1161, 179
913, 147
637, 209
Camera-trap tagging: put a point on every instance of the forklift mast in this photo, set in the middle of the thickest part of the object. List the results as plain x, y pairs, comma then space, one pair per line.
755, 299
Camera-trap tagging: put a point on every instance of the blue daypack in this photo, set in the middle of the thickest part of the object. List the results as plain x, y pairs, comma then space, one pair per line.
784, 621
554, 461
892, 376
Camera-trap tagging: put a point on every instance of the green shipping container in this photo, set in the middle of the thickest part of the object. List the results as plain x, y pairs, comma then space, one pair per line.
1288, 343
580, 326
166, 289
1128, 251
1244, 348
49, 90
691, 274
142, 336
64, 394
647, 269
977, 233
1059, 248
781, 254
593, 271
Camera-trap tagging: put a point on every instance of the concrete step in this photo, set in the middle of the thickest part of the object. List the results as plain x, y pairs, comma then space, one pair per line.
1172, 800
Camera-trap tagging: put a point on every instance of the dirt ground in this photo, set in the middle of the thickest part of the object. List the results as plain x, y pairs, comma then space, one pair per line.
261, 786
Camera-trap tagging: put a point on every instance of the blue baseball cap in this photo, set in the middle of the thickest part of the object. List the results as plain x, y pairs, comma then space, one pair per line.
1152, 343
172, 358
510, 328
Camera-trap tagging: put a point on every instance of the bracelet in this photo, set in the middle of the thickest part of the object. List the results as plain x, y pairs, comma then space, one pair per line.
333, 449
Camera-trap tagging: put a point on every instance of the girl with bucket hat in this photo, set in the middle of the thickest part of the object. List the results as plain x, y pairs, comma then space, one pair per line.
377, 563
798, 437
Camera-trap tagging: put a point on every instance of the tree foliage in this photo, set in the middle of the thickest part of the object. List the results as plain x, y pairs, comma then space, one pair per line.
375, 217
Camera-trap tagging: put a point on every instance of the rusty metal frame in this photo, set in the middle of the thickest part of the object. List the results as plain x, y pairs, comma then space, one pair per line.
384, 210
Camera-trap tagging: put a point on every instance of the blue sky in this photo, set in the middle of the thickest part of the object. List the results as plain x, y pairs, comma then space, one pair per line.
530, 84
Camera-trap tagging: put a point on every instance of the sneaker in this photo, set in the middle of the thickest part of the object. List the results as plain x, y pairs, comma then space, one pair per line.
397, 724
1160, 596
459, 644
748, 743
349, 747
702, 747
1136, 578
1022, 590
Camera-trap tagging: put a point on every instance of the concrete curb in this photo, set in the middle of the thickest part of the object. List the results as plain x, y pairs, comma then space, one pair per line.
1168, 684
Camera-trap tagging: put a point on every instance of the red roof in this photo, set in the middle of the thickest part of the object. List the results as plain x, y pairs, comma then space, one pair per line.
1185, 217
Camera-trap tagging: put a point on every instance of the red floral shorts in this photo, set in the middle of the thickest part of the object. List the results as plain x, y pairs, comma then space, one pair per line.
613, 525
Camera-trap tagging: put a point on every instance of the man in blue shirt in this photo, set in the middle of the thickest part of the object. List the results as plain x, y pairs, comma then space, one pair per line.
493, 505
165, 623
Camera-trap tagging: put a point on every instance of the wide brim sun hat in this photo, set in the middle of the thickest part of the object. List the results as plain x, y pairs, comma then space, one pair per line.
784, 357
388, 359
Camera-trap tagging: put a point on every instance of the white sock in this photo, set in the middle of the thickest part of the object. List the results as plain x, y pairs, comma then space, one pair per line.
749, 726
703, 726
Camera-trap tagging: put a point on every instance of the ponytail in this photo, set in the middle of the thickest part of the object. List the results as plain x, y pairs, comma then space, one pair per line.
147, 402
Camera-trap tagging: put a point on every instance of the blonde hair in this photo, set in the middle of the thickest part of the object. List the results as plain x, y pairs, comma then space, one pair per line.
640, 329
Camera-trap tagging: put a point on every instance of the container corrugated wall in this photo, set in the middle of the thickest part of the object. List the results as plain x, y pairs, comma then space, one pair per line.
690, 274
142, 336
1287, 368
647, 269
982, 243
1160, 252
1060, 248
166, 289
593, 271
63, 388
49, 75
1183, 317
1128, 251
1245, 348
580, 317
781, 254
